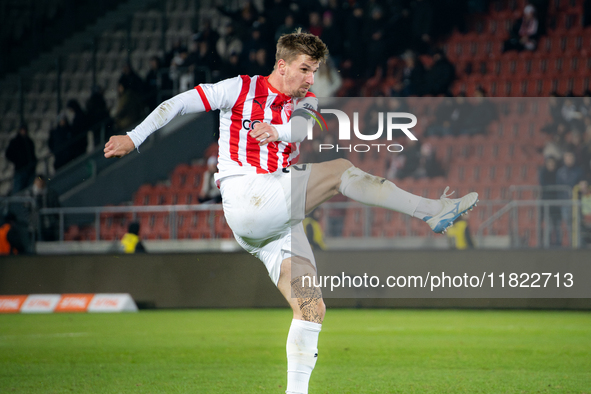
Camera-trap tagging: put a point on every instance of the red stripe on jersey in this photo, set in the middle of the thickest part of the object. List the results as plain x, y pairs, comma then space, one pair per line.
259, 102
273, 147
286, 152
236, 119
203, 98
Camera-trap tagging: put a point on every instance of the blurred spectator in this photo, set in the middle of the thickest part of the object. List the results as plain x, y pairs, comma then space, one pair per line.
210, 193
11, 241
315, 25
175, 50
375, 35
206, 56
569, 175
417, 161
199, 65
587, 154
130, 108
547, 180
178, 66
354, 41
524, 34
453, 14
229, 42
332, 37
557, 145
413, 77
21, 152
275, 12
429, 166
327, 80
399, 25
243, 18
45, 197
422, 24
585, 197
60, 140
131, 242
79, 128
442, 124
461, 110
98, 116
287, 27
131, 80
313, 230
440, 76
459, 236
259, 65
541, 7
571, 114
231, 67
252, 45
207, 33
555, 110
412, 157
575, 145
151, 82
480, 115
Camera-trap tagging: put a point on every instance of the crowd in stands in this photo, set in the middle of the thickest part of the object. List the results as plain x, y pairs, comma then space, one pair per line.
377, 48
567, 163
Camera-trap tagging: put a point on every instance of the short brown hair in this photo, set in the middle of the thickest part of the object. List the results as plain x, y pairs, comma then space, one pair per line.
297, 43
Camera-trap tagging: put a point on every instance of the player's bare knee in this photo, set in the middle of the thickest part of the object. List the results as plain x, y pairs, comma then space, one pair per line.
343, 165
339, 166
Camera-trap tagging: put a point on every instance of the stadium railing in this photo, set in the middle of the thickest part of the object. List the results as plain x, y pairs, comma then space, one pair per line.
514, 224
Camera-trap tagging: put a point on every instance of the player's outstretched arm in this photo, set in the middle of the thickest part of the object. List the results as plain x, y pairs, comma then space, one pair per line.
184, 103
118, 146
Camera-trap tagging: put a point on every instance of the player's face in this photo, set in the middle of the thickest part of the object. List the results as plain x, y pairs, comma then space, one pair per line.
299, 75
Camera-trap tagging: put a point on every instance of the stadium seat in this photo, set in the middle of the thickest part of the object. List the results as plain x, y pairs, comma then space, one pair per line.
221, 228
354, 222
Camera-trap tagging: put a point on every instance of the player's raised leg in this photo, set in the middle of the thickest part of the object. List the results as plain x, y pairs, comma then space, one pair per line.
329, 178
308, 313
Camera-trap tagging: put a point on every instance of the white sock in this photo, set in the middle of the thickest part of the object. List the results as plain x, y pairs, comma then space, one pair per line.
379, 192
302, 352
427, 208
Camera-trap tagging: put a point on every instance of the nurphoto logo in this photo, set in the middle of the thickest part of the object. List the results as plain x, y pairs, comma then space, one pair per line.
391, 119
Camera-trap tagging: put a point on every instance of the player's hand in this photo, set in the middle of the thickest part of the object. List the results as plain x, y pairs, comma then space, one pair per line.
118, 146
264, 133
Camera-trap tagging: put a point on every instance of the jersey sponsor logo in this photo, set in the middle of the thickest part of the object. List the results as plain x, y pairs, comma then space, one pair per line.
249, 124
257, 102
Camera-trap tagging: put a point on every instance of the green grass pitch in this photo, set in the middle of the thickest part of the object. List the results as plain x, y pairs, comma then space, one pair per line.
243, 351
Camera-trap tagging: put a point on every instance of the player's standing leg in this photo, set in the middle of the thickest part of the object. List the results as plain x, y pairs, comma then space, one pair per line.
308, 313
329, 178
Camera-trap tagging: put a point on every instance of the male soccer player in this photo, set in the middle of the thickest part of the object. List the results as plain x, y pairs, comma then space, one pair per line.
265, 197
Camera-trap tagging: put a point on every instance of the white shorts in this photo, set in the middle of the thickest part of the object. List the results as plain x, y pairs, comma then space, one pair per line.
265, 212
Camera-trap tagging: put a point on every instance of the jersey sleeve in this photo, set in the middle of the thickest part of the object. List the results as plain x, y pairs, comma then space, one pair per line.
205, 97
296, 129
221, 95
183, 103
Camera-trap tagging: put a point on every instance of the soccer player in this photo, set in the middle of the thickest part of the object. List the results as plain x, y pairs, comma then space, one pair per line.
265, 197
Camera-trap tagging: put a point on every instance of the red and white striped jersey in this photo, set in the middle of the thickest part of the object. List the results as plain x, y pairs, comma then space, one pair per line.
242, 102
